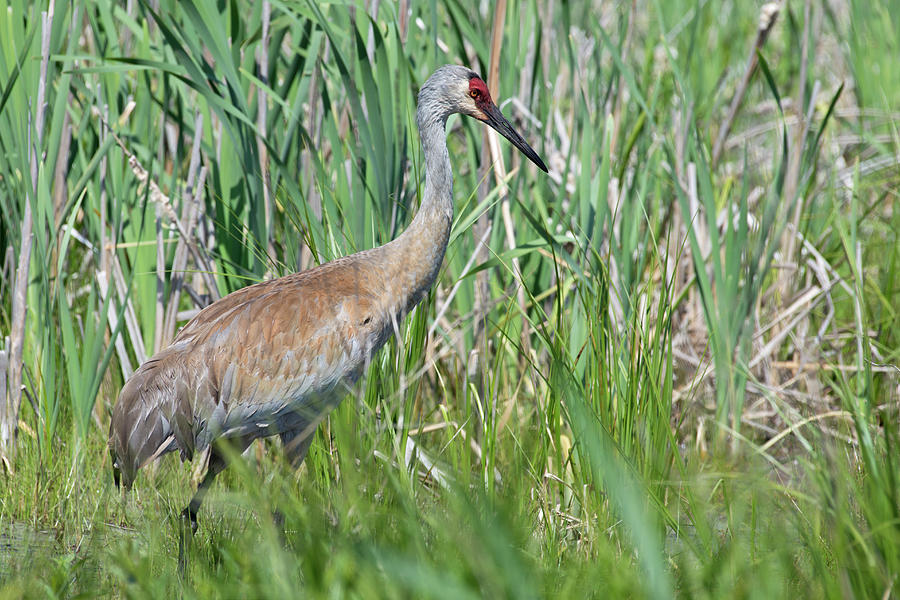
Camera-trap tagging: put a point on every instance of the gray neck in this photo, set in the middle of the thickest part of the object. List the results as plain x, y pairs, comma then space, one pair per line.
437, 200
423, 244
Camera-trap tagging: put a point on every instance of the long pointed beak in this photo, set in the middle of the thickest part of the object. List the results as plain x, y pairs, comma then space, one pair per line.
495, 119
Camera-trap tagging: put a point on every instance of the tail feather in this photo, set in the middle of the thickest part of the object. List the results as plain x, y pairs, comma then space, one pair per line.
140, 430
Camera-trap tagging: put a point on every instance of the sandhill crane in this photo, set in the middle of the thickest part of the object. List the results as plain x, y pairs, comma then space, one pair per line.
276, 357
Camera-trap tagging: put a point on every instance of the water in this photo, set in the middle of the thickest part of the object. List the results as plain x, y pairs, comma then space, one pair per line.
18, 543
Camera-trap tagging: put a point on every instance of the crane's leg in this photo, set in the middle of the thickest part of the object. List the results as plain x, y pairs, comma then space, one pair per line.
216, 465
296, 443
189, 514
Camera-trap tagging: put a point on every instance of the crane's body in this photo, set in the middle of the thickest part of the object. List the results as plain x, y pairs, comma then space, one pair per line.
268, 359
276, 357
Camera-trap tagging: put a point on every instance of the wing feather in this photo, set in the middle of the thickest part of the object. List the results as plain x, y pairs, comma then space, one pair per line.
269, 358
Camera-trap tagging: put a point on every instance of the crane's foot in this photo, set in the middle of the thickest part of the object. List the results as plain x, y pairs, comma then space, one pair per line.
278, 520
189, 518
187, 529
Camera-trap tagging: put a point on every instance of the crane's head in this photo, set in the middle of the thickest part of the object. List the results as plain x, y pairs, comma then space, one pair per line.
454, 89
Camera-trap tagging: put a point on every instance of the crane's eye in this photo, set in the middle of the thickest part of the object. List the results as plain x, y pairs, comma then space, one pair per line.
475, 94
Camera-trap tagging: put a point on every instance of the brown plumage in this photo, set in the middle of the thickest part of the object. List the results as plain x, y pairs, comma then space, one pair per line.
276, 357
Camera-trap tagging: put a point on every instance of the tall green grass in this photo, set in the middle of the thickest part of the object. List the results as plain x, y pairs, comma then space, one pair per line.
695, 393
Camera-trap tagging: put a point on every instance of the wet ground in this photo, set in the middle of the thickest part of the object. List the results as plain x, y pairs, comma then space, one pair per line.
19, 542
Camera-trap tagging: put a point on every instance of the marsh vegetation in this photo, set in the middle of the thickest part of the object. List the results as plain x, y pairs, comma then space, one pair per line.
668, 368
